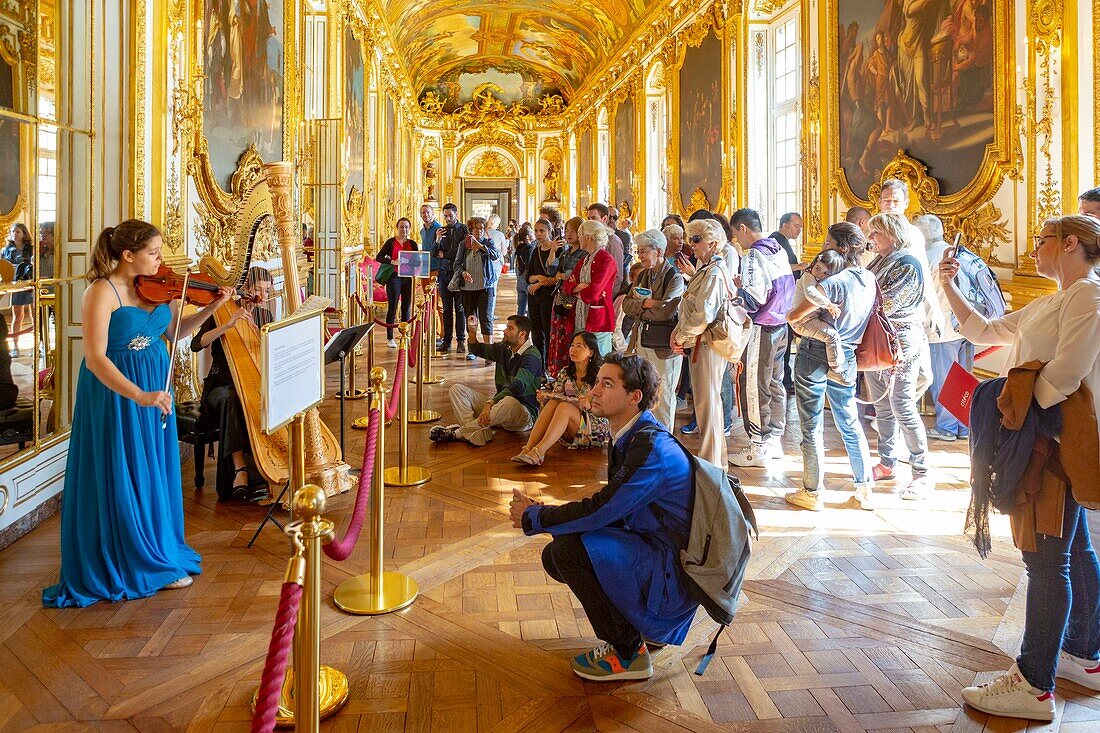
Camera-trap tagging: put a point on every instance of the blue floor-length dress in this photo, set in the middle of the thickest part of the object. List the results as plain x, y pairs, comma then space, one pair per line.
122, 511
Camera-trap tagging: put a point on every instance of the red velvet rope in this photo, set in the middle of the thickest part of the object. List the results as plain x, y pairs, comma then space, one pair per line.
395, 395
414, 353
987, 352
340, 549
271, 683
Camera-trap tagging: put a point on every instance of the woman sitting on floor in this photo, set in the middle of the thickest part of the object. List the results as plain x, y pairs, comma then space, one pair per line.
566, 405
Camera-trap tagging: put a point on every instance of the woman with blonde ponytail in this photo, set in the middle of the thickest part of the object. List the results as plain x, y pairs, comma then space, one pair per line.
122, 510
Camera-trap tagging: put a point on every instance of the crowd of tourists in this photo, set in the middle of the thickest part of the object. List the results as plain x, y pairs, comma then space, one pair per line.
615, 335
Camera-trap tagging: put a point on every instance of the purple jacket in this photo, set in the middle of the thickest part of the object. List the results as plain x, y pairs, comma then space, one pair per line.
767, 283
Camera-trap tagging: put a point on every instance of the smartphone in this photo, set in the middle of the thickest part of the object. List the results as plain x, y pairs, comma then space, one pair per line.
953, 250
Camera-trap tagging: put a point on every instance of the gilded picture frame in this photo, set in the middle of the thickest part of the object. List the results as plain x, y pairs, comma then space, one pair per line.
709, 29
999, 158
218, 204
623, 158
22, 135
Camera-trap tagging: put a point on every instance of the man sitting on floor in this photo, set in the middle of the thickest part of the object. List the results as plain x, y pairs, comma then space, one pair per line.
518, 375
618, 550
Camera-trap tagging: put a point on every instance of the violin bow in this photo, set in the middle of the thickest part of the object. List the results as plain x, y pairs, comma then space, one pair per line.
175, 343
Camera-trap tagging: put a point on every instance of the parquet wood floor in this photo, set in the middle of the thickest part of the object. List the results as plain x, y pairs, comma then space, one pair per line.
851, 620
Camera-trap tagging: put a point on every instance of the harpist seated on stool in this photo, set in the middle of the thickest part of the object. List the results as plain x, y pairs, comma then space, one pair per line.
221, 408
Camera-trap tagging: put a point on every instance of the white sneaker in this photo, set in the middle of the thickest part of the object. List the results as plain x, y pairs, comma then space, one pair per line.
919, 488
865, 496
1083, 672
1011, 696
812, 500
391, 344
757, 454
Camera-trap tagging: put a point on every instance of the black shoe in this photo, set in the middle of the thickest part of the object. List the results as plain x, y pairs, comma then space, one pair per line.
443, 434
462, 347
445, 349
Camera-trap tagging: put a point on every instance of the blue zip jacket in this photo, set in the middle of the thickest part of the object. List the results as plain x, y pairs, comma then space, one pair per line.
634, 528
492, 253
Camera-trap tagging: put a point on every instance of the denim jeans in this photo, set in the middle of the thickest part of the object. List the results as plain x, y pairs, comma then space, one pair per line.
454, 317
521, 301
810, 387
1063, 599
896, 407
943, 356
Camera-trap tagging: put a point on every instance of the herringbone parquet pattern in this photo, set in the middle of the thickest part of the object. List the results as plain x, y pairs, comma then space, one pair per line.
851, 621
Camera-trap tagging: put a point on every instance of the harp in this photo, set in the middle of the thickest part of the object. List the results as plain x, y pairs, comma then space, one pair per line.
264, 223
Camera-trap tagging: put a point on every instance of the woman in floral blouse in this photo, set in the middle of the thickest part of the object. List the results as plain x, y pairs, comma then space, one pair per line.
566, 406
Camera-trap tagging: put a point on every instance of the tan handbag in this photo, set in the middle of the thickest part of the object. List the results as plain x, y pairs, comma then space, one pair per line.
880, 347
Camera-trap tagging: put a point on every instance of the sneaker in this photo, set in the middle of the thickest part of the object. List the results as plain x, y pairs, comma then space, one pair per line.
942, 435
469, 357
391, 344
444, 350
882, 473
443, 434
1011, 696
964, 434
727, 430
692, 428
461, 347
604, 664
918, 488
806, 499
757, 454
681, 404
865, 497
1083, 672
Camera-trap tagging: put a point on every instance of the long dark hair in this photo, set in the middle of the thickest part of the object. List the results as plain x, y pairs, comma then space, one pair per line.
594, 362
26, 235
130, 236
850, 242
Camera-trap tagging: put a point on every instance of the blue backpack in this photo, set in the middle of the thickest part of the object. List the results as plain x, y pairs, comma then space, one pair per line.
980, 286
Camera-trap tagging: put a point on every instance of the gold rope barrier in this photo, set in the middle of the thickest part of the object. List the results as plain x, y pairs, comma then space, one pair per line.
424, 362
403, 474
377, 592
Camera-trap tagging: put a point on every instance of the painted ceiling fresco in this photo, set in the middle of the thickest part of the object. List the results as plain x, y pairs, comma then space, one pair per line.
528, 48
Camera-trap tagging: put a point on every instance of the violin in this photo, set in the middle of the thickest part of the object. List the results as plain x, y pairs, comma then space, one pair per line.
167, 286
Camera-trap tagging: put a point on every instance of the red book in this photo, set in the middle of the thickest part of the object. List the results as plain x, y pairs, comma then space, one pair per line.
958, 392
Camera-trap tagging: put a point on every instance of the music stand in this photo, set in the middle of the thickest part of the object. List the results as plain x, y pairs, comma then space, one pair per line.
336, 350
270, 517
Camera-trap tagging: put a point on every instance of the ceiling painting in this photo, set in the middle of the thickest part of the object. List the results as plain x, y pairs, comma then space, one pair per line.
526, 48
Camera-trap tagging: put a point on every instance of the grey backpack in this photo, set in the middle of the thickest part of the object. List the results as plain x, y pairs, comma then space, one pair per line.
718, 549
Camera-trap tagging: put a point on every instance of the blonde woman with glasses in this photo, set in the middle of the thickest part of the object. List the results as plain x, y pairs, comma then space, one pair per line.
1062, 330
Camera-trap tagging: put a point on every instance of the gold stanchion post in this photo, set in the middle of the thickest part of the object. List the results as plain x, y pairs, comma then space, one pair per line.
429, 338
361, 423
325, 689
377, 592
318, 691
423, 362
403, 474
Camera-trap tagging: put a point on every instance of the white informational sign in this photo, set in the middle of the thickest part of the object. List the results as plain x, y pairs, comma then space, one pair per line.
292, 369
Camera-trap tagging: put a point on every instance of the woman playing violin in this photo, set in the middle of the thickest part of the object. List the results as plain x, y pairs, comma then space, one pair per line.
221, 407
122, 511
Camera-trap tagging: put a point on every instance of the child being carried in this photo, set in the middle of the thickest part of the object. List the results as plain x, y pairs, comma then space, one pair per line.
828, 263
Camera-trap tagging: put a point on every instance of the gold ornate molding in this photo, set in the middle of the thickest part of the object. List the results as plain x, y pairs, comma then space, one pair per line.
811, 143
490, 164
353, 219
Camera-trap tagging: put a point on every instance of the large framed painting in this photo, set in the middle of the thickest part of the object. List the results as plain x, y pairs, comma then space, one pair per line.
584, 168
925, 77
623, 153
243, 67
698, 134
354, 110
10, 163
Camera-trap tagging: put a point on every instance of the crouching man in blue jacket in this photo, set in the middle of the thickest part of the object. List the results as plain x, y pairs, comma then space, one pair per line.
618, 550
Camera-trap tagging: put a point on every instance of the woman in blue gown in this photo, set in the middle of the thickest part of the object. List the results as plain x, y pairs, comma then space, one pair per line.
122, 509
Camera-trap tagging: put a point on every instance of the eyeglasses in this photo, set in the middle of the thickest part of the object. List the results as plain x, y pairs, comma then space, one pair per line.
695, 238
1040, 238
